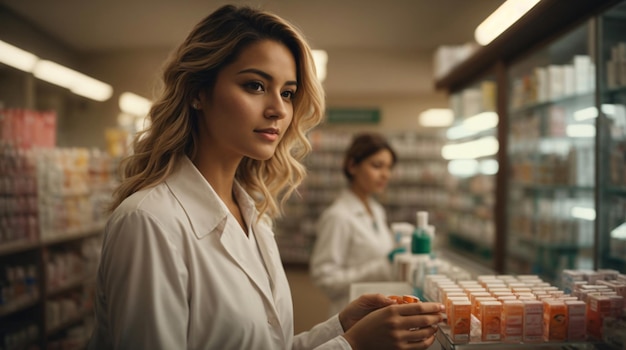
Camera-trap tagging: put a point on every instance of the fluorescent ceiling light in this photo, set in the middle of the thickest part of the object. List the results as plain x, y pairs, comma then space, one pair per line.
488, 166
16, 57
92, 88
473, 125
436, 117
592, 112
458, 132
76, 82
581, 130
463, 167
482, 121
54, 73
583, 213
320, 58
619, 232
134, 104
501, 19
483, 147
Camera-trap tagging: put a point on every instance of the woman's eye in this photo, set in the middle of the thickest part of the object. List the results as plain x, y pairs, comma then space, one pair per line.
289, 94
255, 86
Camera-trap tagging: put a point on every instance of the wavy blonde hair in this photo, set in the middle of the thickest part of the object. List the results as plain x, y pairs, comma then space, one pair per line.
212, 44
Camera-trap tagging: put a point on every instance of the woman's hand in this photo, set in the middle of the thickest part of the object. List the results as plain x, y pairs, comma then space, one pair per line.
405, 326
360, 307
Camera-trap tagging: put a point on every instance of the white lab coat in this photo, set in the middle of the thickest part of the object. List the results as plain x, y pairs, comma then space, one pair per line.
351, 246
177, 272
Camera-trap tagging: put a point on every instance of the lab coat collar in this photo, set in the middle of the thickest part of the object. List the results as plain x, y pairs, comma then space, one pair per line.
196, 196
353, 202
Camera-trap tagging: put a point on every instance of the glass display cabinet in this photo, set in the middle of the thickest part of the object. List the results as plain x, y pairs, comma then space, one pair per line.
611, 121
471, 150
551, 152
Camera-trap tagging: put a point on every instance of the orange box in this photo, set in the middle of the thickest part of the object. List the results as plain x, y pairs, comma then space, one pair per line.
533, 321
472, 297
617, 305
449, 291
554, 320
491, 320
521, 290
506, 297
460, 318
476, 308
576, 325
598, 307
512, 320
499, 290
474, 290
449, 302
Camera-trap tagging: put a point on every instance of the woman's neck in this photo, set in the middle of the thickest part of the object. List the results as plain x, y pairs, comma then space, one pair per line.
221, 177
363, 197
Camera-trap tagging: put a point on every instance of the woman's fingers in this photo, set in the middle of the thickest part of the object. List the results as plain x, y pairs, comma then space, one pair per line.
419, 308
421, 344
419, 322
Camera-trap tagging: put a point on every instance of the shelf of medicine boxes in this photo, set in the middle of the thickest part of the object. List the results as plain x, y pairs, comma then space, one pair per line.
544, 164
552, 172
612, 197
417, 183
444, 339
28, 309
613, 205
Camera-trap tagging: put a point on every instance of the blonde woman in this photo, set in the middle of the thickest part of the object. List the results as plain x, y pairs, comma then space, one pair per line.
189, 259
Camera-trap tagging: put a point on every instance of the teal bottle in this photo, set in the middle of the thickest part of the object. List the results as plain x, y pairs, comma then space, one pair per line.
420, 246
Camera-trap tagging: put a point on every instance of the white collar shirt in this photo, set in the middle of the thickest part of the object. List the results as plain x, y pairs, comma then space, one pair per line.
177, 272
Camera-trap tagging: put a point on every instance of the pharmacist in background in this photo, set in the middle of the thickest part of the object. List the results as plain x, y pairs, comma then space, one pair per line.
353, 241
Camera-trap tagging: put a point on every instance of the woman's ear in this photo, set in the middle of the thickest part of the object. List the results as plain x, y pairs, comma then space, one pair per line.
351, 167
195, 104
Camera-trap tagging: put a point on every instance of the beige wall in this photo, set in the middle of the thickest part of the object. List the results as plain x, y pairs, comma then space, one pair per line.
400, 84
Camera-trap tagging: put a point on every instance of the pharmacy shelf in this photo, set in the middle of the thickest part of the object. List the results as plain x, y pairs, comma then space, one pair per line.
445, 340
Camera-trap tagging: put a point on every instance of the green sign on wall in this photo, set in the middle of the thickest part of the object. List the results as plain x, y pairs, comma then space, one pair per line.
353, 115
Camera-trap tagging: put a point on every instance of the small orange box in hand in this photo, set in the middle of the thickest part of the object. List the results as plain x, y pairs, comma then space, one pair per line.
404, 299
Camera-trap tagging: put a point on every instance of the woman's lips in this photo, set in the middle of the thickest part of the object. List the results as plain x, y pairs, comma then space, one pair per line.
269, 134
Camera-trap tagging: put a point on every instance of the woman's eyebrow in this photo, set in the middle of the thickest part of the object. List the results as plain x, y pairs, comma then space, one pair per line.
265, 75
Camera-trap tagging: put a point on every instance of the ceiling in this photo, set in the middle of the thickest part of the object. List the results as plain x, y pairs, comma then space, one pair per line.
105, 25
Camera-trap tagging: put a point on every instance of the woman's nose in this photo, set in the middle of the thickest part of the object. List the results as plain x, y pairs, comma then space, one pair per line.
276, 107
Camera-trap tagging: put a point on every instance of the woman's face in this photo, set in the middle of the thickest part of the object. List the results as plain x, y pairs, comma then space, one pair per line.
372, 174
251, 106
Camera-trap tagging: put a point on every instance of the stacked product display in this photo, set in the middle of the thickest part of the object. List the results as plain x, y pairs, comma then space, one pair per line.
559, 190
502, 311
562, 209
53, 207
551, 147
613, 118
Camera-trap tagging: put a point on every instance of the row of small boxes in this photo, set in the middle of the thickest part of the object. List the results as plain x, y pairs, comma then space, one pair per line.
518, 309
604, 292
